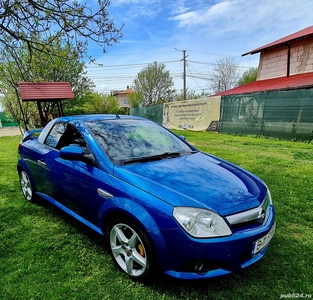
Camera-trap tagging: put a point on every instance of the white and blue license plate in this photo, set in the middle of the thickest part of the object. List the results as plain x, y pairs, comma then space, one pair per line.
262, 242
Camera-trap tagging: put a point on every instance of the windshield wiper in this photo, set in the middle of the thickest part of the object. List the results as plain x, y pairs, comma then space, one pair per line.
161, 156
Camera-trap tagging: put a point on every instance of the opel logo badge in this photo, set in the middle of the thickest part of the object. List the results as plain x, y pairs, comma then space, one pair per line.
262, 216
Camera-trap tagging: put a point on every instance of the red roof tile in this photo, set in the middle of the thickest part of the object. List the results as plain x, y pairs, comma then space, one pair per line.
304, 33
282, 83
50, 91
122, 92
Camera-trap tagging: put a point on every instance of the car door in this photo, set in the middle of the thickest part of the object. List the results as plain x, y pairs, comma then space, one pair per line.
77, 184
76, 187
41, 161
39, 169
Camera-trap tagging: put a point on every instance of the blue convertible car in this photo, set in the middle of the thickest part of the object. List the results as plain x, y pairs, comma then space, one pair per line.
161, 204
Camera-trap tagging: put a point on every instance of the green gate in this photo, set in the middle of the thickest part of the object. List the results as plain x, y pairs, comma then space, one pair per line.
7, 121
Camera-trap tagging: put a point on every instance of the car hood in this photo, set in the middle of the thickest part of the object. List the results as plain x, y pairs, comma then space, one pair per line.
197, 180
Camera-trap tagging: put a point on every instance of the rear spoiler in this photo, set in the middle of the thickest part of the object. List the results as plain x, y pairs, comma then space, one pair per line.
31, 134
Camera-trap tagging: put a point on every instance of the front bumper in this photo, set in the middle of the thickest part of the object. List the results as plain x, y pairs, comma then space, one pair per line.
192, 258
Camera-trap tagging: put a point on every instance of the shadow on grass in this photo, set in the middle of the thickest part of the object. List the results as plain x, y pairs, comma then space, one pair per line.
249, 281
71, 222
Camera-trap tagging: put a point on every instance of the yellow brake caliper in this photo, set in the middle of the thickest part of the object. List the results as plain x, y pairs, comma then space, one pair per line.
141, 250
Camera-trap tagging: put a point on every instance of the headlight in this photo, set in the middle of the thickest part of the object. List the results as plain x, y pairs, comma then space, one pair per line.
268, 196
201, 223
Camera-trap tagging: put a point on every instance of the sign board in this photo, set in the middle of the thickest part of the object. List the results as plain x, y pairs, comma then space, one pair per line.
194, 115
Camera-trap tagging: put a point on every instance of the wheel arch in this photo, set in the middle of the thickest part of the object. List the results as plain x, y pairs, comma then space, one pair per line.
22, 166
136, 213
120, 208
28, 189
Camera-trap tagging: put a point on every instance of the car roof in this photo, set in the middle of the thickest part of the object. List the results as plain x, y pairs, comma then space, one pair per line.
96, 117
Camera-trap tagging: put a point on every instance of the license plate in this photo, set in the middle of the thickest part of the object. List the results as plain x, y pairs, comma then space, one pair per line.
262, 242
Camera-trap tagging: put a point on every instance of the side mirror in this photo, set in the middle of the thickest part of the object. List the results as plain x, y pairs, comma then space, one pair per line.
72, 153
182, 138
77, 153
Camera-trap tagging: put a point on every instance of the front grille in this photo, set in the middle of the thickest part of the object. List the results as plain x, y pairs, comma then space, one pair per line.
252, 218
246, 225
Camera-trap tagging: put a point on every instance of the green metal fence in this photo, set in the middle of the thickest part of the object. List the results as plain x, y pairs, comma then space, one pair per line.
285, 114
154, 113
7, 121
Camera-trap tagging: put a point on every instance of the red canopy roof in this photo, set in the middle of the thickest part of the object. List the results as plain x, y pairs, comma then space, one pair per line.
282, 83
304, 33
45, 91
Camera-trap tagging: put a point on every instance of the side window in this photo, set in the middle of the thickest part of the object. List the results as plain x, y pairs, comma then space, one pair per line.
64, 134
55, 134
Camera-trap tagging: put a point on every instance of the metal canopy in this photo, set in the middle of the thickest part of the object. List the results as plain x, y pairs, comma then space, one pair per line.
280, 83
302, 34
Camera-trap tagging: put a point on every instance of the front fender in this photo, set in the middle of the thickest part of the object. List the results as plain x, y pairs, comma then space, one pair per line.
138, 213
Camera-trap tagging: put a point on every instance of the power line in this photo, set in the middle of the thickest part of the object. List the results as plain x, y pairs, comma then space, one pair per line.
107, 74
129, 65
200, 75
194, 77
134, 54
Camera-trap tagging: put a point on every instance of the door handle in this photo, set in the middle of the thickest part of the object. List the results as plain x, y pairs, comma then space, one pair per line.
104, 193
41, 163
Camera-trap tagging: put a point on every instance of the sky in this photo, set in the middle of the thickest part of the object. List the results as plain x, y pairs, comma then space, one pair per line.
158, 30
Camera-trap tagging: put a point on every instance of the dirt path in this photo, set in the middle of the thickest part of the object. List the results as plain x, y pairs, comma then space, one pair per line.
9, 131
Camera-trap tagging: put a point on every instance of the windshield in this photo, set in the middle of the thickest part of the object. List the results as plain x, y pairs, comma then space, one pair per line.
124, 140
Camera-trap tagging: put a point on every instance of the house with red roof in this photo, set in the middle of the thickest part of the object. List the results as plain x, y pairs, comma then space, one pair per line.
280, 101
122, 97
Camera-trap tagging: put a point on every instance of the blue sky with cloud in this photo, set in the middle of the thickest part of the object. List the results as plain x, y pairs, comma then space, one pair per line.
204, 28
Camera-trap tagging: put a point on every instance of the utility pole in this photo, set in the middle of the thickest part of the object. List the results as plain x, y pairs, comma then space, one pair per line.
184, 73
184, 76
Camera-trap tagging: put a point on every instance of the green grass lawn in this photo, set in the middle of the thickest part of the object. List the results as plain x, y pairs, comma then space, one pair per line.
45, 254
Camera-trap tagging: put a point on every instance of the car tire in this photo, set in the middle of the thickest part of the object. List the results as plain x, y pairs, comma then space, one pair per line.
26, 186
131, 249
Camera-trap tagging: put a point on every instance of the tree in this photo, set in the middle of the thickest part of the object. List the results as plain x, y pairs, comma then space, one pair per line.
17, 110
37, 23
100, 103
225, 74
153, 85
11, 102
188, 94
248, 76
134, 99
65, 67
43, 67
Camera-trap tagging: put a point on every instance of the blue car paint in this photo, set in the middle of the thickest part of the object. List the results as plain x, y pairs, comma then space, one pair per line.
148, 192
185, 181
228, 251
69, 212
149, 219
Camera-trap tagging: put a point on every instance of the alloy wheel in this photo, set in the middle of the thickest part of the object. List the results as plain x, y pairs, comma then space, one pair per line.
26, 186
128, 250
